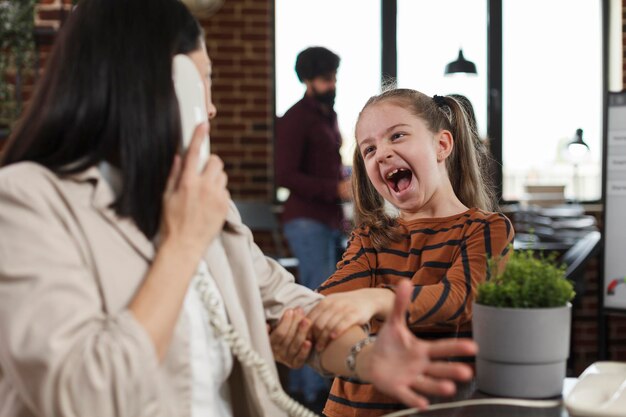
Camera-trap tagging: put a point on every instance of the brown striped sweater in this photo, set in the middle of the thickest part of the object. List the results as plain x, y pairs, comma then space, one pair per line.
445, 258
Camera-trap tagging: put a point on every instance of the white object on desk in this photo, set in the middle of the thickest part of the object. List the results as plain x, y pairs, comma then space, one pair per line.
599, 392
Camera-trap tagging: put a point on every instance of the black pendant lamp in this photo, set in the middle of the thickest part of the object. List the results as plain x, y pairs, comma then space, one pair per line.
577, 147
460, 65
578, 140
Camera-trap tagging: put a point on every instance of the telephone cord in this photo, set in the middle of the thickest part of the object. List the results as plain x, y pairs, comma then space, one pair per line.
248, 356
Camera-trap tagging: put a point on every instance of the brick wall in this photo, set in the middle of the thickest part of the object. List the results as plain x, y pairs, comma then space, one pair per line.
585, 321
51, 13
49, 16
585, 330
240, 43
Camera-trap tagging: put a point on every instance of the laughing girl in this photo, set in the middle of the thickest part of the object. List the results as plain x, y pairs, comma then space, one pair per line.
422, 156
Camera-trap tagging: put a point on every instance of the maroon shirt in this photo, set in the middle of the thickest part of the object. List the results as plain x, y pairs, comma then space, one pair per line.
308, 162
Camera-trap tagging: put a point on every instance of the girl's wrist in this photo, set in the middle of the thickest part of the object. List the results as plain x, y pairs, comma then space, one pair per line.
359, 359
384, 300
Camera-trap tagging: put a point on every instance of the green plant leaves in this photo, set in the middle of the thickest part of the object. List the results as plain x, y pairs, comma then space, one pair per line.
527, 281
17, 46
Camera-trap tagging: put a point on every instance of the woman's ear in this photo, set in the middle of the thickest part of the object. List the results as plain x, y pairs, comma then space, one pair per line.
444, 144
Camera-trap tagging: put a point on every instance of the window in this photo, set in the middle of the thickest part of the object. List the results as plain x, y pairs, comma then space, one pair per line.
551, 86
429, 36
355, 37
552, 73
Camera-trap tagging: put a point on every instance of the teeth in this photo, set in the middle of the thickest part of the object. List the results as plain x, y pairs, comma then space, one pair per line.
394, 172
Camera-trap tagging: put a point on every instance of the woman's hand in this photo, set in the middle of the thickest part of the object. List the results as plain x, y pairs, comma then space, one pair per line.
194, 209
338, 312
195, 203
401, 365
290, 339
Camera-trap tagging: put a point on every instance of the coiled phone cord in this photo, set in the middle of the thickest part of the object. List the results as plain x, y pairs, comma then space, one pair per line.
246, 355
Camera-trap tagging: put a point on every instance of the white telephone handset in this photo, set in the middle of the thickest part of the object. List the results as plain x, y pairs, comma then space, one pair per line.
192, 104
189, 89
599, 392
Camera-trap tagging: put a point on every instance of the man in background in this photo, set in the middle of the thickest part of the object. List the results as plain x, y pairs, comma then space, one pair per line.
308, 164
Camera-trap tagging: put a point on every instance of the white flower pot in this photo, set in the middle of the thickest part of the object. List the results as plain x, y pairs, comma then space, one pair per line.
522, 351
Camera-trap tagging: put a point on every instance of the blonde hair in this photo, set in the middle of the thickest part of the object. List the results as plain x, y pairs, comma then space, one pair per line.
467, 165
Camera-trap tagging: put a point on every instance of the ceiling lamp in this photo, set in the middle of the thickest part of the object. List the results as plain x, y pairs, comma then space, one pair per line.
461, 65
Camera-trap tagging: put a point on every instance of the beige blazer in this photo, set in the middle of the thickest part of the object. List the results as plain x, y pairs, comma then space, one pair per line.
69, 268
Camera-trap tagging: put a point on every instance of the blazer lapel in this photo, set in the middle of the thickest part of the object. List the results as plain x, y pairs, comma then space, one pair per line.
217, 263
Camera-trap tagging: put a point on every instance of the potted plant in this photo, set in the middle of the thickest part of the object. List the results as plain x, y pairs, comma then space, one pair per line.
521, 322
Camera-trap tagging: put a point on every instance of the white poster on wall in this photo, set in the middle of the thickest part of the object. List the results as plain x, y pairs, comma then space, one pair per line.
615, 205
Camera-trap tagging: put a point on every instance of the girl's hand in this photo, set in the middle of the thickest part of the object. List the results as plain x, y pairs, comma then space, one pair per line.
195, 204
401, 365
338, 312
290, 339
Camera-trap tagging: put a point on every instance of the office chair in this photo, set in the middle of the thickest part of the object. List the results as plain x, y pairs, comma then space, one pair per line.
260, 217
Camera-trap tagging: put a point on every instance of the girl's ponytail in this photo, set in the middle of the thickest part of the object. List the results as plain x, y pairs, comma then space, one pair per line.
468, 164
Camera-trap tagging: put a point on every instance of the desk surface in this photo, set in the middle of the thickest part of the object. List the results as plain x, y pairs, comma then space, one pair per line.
469, 391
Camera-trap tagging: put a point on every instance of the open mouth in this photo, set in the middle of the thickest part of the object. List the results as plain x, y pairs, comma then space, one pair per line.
399, 179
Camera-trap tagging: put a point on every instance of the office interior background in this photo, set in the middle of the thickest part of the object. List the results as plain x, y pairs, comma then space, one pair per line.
543, 70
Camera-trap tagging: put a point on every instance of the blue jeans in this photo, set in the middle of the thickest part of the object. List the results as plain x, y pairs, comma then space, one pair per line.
316, 247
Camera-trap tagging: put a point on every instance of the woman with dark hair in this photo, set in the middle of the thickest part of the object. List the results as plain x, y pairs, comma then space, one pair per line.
110, 242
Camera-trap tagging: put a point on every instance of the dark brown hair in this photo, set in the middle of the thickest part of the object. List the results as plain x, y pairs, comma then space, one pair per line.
316, 61
107, 95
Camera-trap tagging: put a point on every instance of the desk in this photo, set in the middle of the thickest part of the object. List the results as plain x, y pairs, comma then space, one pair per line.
469, 391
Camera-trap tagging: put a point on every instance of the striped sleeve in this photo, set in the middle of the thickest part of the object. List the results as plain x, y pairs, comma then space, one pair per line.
354, 270
448, 302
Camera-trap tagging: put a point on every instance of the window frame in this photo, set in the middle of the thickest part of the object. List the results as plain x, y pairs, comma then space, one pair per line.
389, 69
494, 77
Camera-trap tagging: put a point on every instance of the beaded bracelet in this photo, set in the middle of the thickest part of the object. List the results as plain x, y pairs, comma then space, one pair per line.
354, 351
